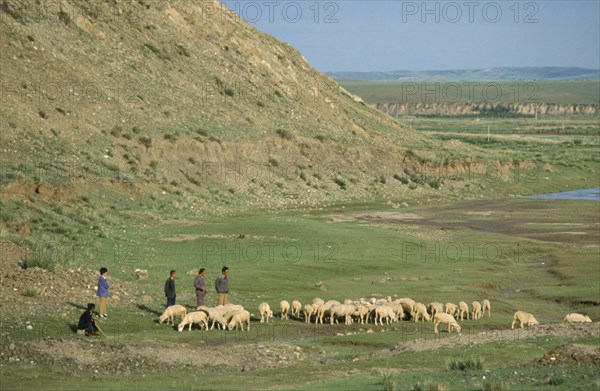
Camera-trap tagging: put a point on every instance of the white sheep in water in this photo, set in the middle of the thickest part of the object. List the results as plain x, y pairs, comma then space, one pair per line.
450, 308
445, 319
420, 311
199, 317
284, 308
525, 318
296, 308
238, 318
486, 305
463, 309
171, 312
476, 310
309, 310
577, 318
265, 312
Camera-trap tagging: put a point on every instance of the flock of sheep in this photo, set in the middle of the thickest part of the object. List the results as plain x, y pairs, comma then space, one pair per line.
378, 311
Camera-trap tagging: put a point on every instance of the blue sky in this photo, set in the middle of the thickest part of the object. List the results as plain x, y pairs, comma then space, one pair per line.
416, 35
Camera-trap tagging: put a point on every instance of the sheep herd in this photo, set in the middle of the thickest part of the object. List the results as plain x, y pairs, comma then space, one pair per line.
377, 311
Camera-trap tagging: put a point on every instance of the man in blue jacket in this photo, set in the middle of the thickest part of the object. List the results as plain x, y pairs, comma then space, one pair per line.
103, 292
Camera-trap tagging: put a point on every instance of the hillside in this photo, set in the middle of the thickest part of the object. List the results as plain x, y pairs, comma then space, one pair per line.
155, 92
117, 113
490, 74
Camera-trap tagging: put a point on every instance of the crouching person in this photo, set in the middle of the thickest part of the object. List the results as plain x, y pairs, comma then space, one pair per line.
87, 322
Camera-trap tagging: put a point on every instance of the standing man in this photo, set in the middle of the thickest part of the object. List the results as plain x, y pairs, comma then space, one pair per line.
170, 288
102, 292
222, 285
200, 288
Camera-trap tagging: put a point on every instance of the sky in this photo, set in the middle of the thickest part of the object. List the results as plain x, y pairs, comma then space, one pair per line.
374, 35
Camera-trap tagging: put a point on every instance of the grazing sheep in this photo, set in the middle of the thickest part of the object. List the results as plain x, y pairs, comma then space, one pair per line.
486, 305
199, 317
215, 315
435, 308
407, 305
171, 312
323, 308
397, 308
525, 318
265, 312
385, 312
445, 319
284, 307
317, 301
577, 318
308, 311
296, 308
450, 308
238, 318
463, 309
345, 310
420, 311
362, 311
476, 310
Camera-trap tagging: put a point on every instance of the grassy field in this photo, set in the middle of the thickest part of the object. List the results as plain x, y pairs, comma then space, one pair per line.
539, 256
561, 92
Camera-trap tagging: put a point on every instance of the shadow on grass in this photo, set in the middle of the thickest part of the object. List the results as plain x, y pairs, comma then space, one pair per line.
148, 309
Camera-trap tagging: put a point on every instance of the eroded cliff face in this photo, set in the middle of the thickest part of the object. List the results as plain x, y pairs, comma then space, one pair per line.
487, 109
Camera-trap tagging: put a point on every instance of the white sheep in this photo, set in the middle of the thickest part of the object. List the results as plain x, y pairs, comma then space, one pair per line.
308, 311
445, 319
435, 308
397, 308
284, 307
577, 318
450, 308
476, 310
171, 312
199, 317
486, 305
385, 312
345, 310
324, 308
265, 312
420, 311
296, 308
317, 301
215, 315
407, 304
238, 318
463, 309
362, 311
525, 318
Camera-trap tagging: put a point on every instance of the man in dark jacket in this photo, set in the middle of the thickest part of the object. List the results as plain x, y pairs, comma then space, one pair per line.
86, 321
200, 288
222, 285
170, 288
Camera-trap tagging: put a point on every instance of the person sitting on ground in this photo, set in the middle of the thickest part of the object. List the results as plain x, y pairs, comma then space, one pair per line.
87, 322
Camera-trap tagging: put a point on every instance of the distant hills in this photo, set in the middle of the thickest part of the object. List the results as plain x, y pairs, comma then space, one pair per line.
490, 74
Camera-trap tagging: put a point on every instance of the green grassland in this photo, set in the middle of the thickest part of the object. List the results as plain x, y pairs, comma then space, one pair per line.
560, 92
513, 252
